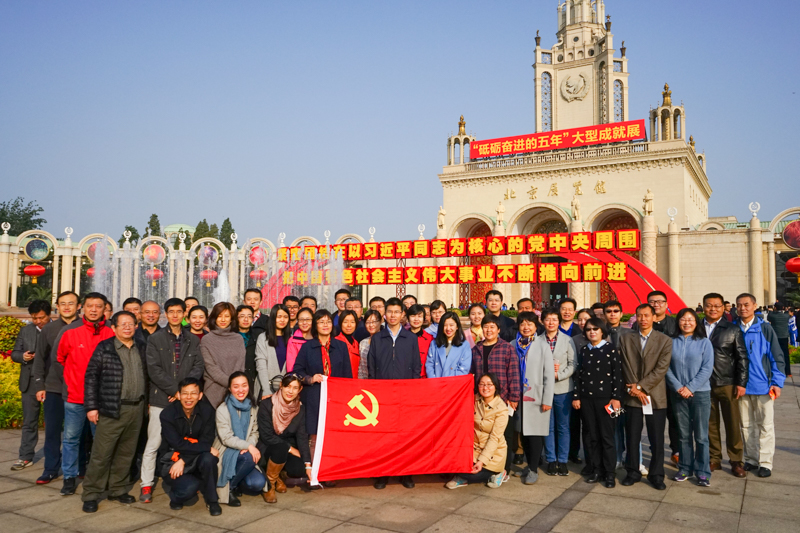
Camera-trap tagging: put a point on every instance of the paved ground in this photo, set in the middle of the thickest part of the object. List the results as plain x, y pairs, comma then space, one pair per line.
559, 504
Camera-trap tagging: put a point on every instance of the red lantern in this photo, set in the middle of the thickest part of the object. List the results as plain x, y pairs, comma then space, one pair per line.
208, 275
154, 274
793, 266
258, 276
34, 271
90, 272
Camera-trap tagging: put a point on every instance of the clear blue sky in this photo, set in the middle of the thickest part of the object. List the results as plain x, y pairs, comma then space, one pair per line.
306, 116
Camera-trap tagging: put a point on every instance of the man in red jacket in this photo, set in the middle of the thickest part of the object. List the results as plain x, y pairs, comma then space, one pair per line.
74, 351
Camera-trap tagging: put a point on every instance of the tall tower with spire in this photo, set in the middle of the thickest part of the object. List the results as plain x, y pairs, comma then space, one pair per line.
579, 82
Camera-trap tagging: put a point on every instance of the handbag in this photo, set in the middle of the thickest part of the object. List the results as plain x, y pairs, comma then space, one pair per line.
165, 462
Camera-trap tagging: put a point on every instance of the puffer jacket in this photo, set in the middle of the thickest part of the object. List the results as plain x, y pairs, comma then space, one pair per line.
74, 351
730, 355
103, 382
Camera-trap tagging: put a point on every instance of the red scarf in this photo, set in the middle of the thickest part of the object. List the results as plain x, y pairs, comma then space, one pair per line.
326, 358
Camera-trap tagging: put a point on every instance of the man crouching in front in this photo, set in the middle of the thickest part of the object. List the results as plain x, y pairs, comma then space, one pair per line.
187, 460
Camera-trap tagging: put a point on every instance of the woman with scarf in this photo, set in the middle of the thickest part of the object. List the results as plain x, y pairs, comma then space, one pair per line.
237, 437
474, 334
271, 350
305, 317
415, 315
348, 321
372, 321
321, 356
244, 317
527, 326
562, 350
282, 436
223, 352
198, 319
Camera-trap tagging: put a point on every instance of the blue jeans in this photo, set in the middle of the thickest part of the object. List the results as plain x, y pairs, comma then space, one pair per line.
74, 422
692, 415
559, 422
247, 477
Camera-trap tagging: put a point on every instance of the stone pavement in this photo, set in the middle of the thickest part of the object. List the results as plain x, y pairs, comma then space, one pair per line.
561, 504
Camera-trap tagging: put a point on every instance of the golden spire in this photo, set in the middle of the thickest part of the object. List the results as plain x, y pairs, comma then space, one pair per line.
667, 94
462, 126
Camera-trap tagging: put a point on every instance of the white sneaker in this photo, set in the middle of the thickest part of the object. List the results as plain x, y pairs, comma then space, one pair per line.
643, 470
495, 481
619, 466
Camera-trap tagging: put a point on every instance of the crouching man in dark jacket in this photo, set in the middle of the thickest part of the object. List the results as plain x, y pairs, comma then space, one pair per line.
115, 392
187, 460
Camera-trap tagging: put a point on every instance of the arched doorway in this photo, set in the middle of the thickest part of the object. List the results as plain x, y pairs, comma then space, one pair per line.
475, 292
543, 294
618, 222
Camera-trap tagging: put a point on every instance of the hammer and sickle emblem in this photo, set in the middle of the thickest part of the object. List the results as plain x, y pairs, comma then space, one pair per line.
370, 417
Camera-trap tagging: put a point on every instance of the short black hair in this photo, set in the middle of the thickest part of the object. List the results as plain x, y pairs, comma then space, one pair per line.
115, 318
242, 307
491, 319
493, 292
494, 379
191, 298
131, 300
395, 302
523, 300
714, 296
256, 291
699, 330
407, 296
657, 293
612, 303
186, 382
528, 316
344, 314
321, 313
598, 323
645, 306
175, 302
415, 309
378, 299
199, 307
290, 298
550, 311
436, 304
354, 299
342, 291
568, 301
309, 297
38, 306
68, 293
597, 305
95, 296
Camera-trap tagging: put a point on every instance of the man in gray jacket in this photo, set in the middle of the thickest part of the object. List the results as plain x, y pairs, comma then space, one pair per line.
173, 354
24, 353
48, 382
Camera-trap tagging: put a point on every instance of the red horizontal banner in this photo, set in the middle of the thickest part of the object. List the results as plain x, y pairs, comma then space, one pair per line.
558, 140
373, 427
626, 240
468, 274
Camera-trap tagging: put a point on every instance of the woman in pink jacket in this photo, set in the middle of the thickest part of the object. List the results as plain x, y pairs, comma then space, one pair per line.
299, 338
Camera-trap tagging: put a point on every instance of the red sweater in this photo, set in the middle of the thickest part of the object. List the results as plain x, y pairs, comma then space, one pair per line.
355, 352
424, 342
74, 351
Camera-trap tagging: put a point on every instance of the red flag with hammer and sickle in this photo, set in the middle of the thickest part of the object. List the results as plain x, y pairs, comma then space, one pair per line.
373, 427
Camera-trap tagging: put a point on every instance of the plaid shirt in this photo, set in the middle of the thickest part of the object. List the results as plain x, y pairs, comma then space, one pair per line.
503, 363
552, 342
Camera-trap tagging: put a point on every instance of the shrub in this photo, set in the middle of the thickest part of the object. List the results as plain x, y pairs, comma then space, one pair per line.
10, 401
9, 329
794, 355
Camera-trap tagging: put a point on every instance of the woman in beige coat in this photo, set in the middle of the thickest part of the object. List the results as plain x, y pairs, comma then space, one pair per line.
489, 447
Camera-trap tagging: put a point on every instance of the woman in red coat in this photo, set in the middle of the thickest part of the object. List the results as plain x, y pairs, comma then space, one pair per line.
347, 324
416, 316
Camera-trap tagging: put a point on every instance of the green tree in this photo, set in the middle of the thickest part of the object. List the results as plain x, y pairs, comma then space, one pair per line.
154, 226
21, 216
225, 232
201, 231
213, 231
134, 236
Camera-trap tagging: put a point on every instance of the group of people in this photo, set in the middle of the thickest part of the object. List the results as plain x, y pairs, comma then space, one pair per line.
227, 402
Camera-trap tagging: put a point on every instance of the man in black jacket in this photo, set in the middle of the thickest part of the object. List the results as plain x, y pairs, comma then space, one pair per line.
253, 298
394, 354
48, 381
114, 397
728, 383
494, 304
173, 353
187, 457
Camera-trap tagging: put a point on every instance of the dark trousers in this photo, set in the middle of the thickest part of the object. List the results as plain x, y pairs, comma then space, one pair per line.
481, 477
202, 478
575, 434
655, 432
511, 439
279, 454
598, 436
722, 400
30, 425
533, 450
112, 452
53, 426
674, 434
784, 344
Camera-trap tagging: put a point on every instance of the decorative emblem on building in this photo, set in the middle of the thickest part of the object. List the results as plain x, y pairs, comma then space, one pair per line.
574, 88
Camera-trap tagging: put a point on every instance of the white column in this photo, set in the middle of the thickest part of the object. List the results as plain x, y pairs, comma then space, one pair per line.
65, 251
772, 296
13, 273
649, 236
55, 279
5, 255
756, 261
171, 262
683, 125
577, 290
116, 301
135, 274
233, 271
674, 257
76, 253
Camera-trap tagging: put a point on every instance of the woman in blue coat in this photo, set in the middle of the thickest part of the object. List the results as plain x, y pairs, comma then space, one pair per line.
321, 356
449, 354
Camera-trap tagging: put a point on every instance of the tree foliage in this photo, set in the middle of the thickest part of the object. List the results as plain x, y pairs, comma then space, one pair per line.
225, 232
134, 236
154, 226
21, 216
213, 231
201, 231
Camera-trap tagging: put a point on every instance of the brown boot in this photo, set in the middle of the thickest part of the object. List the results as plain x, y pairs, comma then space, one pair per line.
280, 486
273, 475
737, 469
